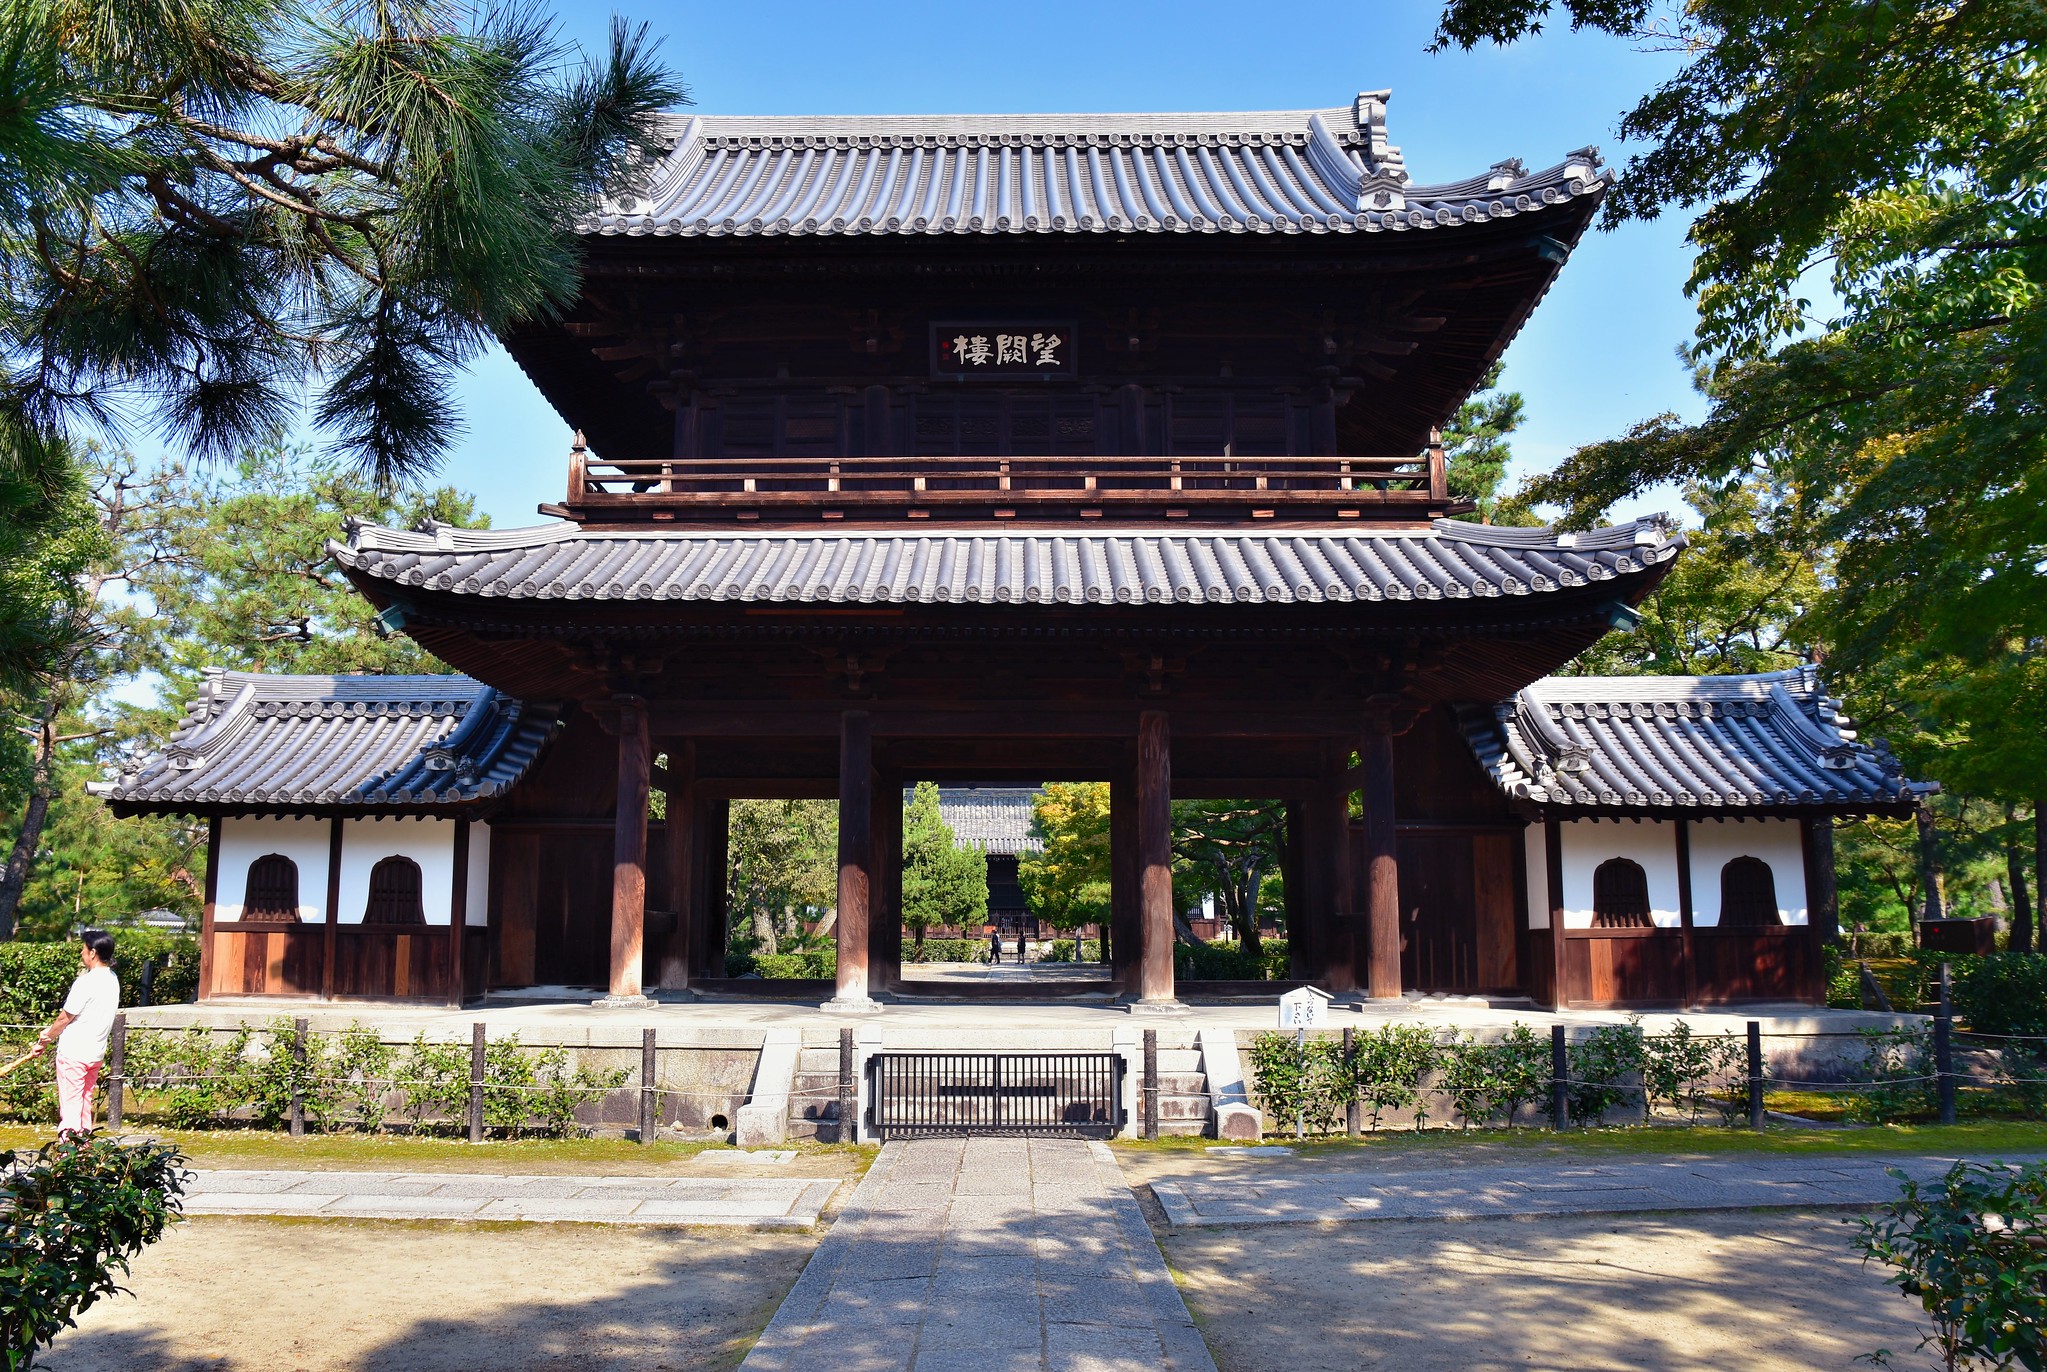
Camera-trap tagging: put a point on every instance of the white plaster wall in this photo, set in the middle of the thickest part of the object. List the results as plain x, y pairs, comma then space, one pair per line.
1716, 842
1534, 847
479, 876
428, 842
242, 841
1587, 843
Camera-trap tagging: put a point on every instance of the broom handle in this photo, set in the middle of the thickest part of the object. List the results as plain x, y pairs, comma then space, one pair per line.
19, 1061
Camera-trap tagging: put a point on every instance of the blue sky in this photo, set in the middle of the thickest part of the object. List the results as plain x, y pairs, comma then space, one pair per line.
1597, 356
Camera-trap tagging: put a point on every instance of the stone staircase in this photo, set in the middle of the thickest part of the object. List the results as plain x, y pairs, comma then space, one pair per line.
814, 1098
1183, 1092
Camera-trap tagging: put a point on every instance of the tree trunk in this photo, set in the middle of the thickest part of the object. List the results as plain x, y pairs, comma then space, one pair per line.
1247, 928
2015, 877
920, 937
764, 935
1929, 864
41, 788
2034, 938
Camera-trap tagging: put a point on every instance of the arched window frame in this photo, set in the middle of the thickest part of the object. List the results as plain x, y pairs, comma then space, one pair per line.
271, 892
1620, 895
397, 893
1748, 894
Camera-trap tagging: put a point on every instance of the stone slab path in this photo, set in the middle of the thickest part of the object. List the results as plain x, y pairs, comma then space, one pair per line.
986, 1255
754, 1203
1291, 1194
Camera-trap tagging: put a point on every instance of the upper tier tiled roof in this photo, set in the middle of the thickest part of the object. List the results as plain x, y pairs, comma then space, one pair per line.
257, 741
1447, 560
1285, 171
1669, 742
994, 819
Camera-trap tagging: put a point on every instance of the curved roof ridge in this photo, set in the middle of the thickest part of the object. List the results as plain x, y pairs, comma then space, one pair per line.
1616, 689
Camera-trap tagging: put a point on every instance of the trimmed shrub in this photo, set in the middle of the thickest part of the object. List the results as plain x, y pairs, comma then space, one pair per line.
1288, 1080
2005, 993
1493, 1080
34, 977
1223, 961
1067, 950
71, 1216
1600, 1066
1387, 1071
950, 950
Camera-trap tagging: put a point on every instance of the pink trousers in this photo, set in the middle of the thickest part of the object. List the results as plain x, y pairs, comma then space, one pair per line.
75, 1083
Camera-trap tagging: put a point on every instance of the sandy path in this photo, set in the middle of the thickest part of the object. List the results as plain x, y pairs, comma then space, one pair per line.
227, 1295
1702, 1292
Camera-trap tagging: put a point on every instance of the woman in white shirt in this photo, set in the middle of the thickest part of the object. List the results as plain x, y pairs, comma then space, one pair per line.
81, 1031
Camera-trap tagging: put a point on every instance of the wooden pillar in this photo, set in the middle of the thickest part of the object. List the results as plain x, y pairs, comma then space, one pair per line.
885, 899
1822, 900
1331, 908
206, 911
679, 834
856, 858
1155, 856
1293, 886
1382, 863
629, 852
458, 911
1688, 953
1553, 869
328, 938
708, 875
1126, 920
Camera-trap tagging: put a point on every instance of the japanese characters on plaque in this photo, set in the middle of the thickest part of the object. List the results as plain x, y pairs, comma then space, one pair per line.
1007, 350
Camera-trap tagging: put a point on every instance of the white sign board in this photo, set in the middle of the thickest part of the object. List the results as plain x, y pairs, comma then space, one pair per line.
1303, 1008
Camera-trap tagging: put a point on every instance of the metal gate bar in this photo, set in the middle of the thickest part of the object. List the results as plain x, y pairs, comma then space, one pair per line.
921, 1095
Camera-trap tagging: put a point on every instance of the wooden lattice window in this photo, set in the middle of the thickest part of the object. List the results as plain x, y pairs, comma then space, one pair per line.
1620, 895
395, 893
1748, 894
273, 896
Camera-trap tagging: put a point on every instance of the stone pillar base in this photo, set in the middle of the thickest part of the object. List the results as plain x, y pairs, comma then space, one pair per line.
848, 1005
1162, 1008
625, 1002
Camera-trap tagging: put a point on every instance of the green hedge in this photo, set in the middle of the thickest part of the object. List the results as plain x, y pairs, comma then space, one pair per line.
1221, 961
949, 950
35, 976
818, 964
1064, 950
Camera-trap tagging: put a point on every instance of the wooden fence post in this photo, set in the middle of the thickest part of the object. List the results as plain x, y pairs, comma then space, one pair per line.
1151, 1083
1559, 1079
650, 1103
298, 1078
849, 1091
117, 1062
1353, 1109
1944, 1047
476, 1082
1755, 1074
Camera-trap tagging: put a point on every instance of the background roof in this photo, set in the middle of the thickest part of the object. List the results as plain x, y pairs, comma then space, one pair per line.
994, 819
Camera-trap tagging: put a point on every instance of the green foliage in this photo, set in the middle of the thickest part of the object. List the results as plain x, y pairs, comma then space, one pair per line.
194, 1077
1497, 1079
809, 964
1898, 1066
1067, 884
1311, 1081
1476, 450
2005, 993
1971, 1248
559, 1092
357, 1083
947, 950
1692, 1073
1228, 849
943, 884
1601, 1064
34, 978
1388, 1070
781, 860
1083, 950
72, 1215
435, 1078
1224, 961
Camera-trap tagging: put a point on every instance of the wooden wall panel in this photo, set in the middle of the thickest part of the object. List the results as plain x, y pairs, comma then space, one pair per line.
1440, 781
1624, 967
386, 964
1438, 921
1753, 964
1495, 884
1539, 980
267, 960
514, 896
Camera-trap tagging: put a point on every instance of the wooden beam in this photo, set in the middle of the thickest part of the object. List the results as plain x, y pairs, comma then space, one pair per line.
856, 856
1126, 916
1688, 947
885, 912
206, 911
1553, 872
714, 831
1822, 898
458, 911
629, 852
1382, 864
333, 911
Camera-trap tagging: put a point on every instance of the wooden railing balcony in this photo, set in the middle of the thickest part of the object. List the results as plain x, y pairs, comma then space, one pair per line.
975, 489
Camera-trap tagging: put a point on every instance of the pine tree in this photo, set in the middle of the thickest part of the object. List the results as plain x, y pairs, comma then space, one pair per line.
943, 883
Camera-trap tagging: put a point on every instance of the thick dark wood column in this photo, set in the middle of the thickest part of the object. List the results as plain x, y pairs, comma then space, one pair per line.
333, 909
629, 853
1823, 899
672, 970
1331, 905
708, 868
856, 860
1553, 872
1382, 862
885, 899
1300, 939
1126, 917
1155, 857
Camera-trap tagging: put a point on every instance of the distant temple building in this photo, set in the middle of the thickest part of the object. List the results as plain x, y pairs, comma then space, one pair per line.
1013, 448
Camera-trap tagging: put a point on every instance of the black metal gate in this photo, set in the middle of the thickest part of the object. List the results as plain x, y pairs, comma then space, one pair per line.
921, 1095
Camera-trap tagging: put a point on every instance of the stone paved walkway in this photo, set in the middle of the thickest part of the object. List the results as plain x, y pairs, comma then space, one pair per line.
1291, 1194
755, 1203
986, 1255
